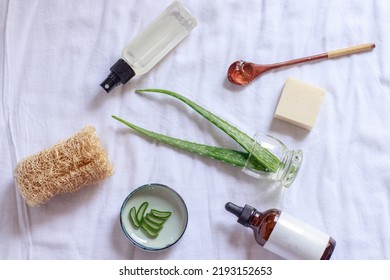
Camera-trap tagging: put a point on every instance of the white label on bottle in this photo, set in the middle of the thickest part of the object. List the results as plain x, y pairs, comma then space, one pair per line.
293, 239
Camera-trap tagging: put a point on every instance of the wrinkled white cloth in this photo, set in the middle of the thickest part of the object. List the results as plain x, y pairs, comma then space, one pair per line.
54, 55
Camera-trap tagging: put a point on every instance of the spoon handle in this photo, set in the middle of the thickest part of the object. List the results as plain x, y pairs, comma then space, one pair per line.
330, 54
295, 61
350, 50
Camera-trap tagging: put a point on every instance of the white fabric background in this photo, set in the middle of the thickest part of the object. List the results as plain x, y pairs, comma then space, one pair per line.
54, 54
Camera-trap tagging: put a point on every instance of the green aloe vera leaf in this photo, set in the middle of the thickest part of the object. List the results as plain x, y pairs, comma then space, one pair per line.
262, 155
233, 157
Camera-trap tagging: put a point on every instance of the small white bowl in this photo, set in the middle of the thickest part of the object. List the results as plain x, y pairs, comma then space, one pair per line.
162, 198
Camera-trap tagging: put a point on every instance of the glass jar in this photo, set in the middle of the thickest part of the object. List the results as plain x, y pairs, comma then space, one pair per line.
289, 161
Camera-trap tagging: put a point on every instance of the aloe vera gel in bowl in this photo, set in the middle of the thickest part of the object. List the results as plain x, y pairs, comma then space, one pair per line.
154, 217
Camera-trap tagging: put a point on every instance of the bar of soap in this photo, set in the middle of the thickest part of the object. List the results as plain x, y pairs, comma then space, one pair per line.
299, 103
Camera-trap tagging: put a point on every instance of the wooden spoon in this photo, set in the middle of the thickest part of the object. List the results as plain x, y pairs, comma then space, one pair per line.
242, 72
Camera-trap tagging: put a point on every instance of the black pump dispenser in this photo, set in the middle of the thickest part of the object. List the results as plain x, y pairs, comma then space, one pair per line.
121, 73
243, 213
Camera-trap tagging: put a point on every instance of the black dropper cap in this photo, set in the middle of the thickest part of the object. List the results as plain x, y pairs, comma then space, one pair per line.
243, 213
121, 73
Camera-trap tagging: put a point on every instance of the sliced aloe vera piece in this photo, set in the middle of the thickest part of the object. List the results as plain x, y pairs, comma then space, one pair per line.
148, 230
154, 219
154, 226
161, 214
141, 212
133, 217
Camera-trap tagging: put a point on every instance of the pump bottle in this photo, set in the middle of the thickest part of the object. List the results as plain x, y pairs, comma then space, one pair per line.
151, 45
283, 234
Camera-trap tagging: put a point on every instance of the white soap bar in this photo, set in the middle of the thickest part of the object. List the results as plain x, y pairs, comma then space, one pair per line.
299, 103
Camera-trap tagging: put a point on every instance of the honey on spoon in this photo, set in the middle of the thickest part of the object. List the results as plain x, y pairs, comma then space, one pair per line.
241, 72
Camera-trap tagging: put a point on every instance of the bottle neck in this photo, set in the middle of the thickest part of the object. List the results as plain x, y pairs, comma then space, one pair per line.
289, 167
121, 73
263, 223
255, 220
259, 219
288, 161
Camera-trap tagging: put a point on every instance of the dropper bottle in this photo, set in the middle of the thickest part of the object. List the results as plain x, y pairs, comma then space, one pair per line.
283, 234
151, 45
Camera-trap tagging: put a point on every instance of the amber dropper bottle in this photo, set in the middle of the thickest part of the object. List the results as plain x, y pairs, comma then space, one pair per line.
283, 234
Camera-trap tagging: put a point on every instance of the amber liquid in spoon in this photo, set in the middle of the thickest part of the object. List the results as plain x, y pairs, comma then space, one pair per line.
242, 72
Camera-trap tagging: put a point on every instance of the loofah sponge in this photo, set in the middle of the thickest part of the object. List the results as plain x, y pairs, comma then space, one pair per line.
63, 168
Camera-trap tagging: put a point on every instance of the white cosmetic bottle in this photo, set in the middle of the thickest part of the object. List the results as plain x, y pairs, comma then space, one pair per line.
151, 45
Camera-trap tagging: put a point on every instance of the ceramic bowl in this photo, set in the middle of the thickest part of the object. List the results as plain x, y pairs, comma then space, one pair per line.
162, 198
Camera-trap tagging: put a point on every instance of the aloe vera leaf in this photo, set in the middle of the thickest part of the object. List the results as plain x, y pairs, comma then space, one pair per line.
233, 157
262, 155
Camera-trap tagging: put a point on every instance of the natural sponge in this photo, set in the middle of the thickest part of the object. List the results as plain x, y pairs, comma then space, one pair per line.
63, 168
